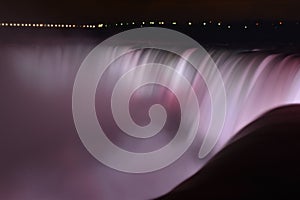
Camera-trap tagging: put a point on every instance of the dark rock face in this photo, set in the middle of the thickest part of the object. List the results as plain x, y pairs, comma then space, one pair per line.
261, 162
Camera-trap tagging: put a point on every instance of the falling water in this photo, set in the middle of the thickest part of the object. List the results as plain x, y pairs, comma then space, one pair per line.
47, 158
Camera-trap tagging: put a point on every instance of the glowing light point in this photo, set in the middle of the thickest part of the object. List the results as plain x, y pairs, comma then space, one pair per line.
204, 23
190, 23
219, 23
100, 25
174, 23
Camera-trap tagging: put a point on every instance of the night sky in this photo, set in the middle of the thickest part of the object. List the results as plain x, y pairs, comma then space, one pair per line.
90, 11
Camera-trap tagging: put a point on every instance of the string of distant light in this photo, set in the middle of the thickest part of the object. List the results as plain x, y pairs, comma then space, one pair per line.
141, 24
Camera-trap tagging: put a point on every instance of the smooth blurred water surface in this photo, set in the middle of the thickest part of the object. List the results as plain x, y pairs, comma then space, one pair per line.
41, 154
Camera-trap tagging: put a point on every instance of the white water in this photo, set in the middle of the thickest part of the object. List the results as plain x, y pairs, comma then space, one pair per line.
39, 80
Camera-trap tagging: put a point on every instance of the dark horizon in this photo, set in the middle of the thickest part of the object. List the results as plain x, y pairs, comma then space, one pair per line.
92, 11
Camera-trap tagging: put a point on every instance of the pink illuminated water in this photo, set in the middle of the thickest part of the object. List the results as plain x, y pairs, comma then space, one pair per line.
42, 156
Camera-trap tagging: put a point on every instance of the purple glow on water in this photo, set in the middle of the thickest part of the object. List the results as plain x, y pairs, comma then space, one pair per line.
42, 154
